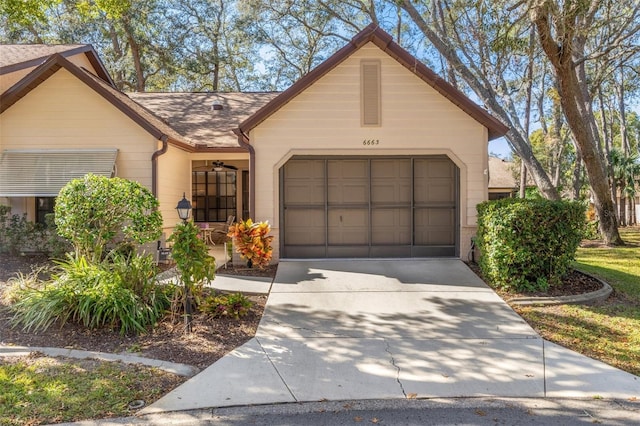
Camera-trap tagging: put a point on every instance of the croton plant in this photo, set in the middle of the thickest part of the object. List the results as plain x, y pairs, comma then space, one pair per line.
252, 241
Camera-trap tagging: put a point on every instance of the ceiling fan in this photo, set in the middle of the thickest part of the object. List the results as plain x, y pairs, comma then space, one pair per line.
219, 166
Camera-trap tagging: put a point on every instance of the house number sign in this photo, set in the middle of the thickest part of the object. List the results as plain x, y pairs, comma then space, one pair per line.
371, 142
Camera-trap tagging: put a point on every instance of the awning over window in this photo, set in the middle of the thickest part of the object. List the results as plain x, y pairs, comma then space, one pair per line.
42, 173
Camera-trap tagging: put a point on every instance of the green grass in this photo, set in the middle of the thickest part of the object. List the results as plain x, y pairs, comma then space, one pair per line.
50, 390
610, 331
619, 266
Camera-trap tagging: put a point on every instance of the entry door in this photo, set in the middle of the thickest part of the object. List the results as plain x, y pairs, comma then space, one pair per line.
369, 207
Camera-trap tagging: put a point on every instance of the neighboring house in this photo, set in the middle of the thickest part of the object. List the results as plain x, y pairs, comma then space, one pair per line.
502, 182
64, 118
369, 155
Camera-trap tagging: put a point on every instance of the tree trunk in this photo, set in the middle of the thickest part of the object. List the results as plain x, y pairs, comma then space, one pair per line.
579, 118
577, 178
136, 56
518, 141
623, 205
523, 180
607, 149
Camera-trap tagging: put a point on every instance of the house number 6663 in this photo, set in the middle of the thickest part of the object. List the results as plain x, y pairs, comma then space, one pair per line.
370, 142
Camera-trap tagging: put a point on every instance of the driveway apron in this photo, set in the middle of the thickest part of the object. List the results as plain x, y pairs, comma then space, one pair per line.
375, 329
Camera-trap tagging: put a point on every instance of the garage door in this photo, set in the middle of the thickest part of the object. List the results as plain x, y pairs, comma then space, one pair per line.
369, 207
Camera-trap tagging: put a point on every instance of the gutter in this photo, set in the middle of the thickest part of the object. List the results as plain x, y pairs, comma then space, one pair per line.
243, 141
154, 164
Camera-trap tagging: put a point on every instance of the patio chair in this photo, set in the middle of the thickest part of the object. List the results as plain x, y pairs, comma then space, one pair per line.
225, 229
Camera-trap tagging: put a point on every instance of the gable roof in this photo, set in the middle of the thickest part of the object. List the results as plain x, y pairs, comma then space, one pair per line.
14, 57
192, 116
147, 120
373, 33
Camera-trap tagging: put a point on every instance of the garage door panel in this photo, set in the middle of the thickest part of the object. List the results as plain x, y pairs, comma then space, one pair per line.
305, 193
303, 168
434, 226
305, 182
348, 169
348, 226
391, 227
391, 181
305, 252
340, 193
305, 226
348, 182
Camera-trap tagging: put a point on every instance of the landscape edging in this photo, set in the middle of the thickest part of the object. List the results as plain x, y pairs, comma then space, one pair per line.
582, 299
171, 367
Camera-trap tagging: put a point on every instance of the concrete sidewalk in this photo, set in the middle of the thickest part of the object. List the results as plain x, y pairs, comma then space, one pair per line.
381, 329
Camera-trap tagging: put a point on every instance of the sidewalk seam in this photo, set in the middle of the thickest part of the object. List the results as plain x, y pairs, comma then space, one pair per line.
277, 371
544, 367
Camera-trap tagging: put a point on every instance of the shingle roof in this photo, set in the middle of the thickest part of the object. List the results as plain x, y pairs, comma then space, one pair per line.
14, 57
374, 34
501, 173
12, 54
191, 114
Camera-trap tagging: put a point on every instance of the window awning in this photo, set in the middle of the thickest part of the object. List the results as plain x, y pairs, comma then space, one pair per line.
42, 173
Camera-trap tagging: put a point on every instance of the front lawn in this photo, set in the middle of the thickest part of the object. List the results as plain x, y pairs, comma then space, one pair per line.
42, 390
609, 331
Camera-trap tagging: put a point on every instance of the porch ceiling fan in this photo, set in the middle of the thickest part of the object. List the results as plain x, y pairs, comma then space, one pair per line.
219, 166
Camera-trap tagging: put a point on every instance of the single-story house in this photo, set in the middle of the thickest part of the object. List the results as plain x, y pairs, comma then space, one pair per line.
371, 154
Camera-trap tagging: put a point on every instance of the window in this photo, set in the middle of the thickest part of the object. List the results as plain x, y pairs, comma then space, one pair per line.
44, 206
213, 196
370, 93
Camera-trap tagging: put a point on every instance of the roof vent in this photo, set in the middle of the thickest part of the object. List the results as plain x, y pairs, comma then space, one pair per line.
370, 92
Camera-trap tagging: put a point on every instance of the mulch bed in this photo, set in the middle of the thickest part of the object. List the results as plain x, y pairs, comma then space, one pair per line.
575, 282
211, 338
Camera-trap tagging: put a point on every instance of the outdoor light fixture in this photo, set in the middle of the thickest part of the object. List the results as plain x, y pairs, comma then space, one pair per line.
184, 208
217, 104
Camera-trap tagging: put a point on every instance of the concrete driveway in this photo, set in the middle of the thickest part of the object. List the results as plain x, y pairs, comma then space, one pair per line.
376, 329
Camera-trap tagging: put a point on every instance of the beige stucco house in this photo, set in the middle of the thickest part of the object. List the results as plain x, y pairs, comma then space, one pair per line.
369, 155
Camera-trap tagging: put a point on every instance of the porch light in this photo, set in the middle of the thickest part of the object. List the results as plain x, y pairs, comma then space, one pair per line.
184, 207
217, 103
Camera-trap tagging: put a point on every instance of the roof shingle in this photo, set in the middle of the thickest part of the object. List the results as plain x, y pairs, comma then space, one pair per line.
191, 114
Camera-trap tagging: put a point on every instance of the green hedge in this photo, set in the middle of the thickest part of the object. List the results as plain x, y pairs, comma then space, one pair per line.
528, 245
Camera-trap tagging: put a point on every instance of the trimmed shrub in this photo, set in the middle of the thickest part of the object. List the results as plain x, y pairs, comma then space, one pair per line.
528, 245
96, 212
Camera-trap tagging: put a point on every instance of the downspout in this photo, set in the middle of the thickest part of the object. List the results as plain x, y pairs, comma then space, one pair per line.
154, 164
243, 141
